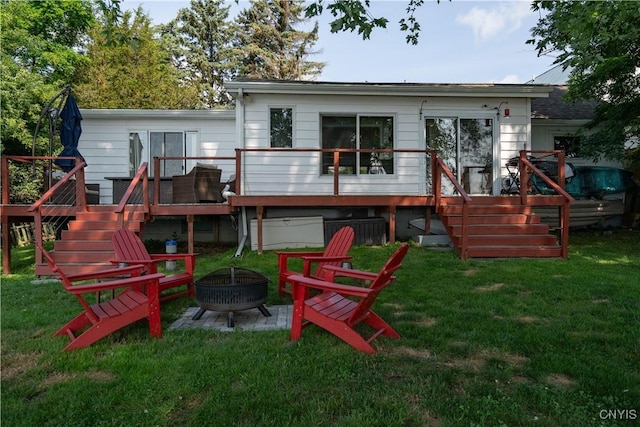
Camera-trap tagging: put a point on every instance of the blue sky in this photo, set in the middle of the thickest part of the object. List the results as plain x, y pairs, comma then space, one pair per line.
461, 42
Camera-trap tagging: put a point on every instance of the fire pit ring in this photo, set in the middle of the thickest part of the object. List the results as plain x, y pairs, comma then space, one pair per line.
231, 289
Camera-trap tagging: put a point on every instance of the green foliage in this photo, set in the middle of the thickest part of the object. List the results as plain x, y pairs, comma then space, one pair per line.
200, 42
127, 67
528, 342
26, 183
41, 43
270, 46
354, 15
600, 42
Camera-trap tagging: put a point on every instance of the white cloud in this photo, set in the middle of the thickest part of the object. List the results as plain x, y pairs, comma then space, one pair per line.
511, 78
496, 21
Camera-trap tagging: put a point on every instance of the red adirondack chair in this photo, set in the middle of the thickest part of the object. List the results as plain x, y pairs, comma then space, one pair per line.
334, 254
137, 299
340, 308
129, 249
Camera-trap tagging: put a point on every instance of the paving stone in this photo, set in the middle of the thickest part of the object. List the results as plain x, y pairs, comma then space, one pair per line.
244, 320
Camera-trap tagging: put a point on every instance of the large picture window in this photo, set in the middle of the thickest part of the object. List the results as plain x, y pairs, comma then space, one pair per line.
281, 127
362, 132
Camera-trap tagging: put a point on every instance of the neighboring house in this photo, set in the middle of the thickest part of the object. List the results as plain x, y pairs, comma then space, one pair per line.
556, 122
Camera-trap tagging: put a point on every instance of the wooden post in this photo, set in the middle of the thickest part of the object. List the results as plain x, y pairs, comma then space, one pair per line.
81, 193
336, 173
6, 232
190, 239
392, 225
238, 171
156, 182
260, 213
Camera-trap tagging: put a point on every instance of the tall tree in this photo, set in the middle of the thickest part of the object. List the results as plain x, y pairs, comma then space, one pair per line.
355, 15
129, 68
600, 41
269, 44
41, 44
200, 37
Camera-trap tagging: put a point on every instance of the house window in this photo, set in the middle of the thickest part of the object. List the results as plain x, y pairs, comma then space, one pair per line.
135, 153
362, 132
144, 146
281, 127
570, 145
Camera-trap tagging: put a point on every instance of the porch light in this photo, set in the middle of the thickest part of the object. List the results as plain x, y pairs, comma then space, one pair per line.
506, 112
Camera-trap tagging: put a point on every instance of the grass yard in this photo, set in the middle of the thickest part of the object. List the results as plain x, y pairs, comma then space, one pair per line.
484, 343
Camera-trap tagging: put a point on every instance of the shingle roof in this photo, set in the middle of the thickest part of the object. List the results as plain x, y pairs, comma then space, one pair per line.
557, 107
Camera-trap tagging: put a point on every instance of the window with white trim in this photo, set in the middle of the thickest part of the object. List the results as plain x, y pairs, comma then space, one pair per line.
371, 132
281, 127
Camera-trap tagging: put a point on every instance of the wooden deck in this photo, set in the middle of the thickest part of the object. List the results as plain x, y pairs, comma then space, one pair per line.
138, 200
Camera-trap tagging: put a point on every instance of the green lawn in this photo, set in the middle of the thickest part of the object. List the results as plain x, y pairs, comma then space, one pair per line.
484, 343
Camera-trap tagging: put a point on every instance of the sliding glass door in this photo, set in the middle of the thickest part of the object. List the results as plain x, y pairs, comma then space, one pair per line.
466, 146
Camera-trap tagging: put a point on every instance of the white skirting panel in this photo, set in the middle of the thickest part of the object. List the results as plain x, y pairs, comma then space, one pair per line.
281, 233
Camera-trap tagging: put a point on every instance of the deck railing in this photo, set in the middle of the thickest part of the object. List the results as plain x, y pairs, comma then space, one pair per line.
63, 200
135, 198
528, 169
440, 168
434, 166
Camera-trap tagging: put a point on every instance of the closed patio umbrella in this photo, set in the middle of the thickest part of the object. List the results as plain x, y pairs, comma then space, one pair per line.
70, 133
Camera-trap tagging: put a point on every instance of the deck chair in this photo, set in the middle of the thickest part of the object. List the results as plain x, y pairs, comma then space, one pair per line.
129, 249
133, 296
334, 254
340, 308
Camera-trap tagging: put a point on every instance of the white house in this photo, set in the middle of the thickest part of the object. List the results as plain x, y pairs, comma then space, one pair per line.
475, 127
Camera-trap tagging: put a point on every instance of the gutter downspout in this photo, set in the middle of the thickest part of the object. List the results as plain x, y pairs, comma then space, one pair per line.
240, 133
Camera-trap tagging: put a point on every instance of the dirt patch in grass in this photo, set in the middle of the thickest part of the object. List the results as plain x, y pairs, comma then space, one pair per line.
490, 288
416, 407
413, 352
60, 377
559, 380
478, 360
14, 365
529, 319
428, 322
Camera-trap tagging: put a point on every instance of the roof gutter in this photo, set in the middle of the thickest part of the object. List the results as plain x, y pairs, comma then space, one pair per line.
389, 89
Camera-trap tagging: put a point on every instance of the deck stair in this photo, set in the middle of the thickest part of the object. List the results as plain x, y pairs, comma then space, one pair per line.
498, 227
85, 245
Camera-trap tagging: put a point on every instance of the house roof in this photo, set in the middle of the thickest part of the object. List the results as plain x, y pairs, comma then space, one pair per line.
391, 89
557, 107
557, 75
117, 114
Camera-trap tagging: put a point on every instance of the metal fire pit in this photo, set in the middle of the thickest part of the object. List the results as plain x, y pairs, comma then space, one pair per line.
231, 289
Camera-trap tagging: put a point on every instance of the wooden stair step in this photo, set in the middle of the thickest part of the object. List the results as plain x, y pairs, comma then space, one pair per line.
87, 234
70, 269
92, 225
514, 252
491, 219
82, 257
83, 245
480, 229
486, 209
108, 216
508, 240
